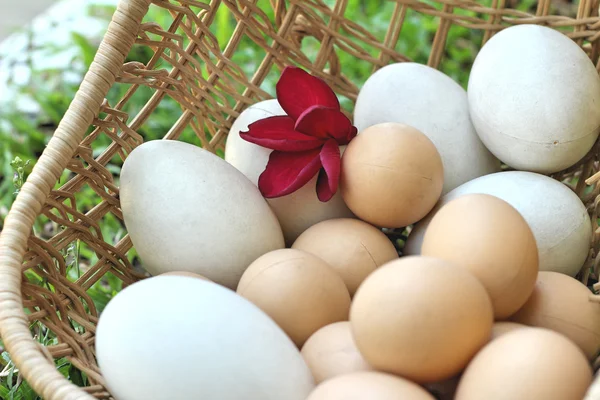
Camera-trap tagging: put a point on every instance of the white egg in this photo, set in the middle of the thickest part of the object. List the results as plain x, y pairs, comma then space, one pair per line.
430, 101
297, 211
188, 210
534, 98
557, 217
181, 338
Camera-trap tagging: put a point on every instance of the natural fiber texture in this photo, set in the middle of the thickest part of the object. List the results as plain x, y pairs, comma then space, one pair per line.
190, 67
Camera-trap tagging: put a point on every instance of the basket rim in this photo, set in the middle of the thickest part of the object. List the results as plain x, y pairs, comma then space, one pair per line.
27, 354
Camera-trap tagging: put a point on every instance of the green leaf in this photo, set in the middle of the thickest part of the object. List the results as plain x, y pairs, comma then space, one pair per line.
87, 50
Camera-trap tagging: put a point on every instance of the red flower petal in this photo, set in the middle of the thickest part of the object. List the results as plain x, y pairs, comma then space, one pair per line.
325, 123
351, 134
329, 176
297, 90
288, 172
278, 133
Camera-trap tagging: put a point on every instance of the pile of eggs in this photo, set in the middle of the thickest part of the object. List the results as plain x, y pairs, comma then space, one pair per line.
295, 299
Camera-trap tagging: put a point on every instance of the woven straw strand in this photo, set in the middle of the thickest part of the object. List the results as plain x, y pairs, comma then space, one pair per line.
33, 364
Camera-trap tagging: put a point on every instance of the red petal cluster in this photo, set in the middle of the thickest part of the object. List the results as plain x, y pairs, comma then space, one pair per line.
306, 141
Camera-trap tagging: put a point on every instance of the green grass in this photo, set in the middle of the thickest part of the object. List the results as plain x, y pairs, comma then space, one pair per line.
23, 137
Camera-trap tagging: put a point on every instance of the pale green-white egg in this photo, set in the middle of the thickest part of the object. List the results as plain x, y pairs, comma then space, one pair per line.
188, 210
176, 337
534, 98
557, 217
426, 99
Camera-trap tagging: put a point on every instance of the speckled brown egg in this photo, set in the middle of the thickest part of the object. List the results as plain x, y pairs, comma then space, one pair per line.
369, 386
563, 304
298, 290
527, 364
352, 247
421, 317
489, 238
331, 351
392, 175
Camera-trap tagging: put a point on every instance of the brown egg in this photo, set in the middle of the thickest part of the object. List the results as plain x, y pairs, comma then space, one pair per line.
331, 351
185, 273
421, 317
562, 303
501, 328
298, 290
369, 386
488, 237
392, 175
352, 247
527, 364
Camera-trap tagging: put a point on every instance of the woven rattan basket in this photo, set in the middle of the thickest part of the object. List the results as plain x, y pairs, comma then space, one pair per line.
190, 66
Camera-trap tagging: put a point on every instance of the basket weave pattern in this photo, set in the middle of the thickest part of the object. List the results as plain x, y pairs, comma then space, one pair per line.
190, 67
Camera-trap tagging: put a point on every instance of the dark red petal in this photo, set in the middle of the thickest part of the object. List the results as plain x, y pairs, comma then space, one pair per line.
329, 176
297, 90
325, 123
278, 133
352, 134
288, 172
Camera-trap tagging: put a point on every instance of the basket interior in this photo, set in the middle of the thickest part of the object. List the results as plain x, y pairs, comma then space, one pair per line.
195, 66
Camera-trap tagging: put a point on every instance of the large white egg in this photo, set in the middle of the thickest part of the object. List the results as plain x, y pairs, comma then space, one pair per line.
534, 98
557, 217
188, 210
297, 211
181, 338
430, 101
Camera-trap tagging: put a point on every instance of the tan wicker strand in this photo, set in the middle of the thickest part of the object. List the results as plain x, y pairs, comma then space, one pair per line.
209, 87
14, 326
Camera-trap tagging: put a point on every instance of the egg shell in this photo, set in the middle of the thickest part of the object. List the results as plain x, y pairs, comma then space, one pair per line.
352, 247
171, 337
369, 385
526, 364
533, 97
301, 292
403, 326
331, 351
489, 238
297, 211
503, 327
425, 98
392, 175
557, 217
563, 304
185, 273
188, 210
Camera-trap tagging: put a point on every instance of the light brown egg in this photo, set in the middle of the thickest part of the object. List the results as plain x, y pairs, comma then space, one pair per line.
185, 273
501, 328
352, 247
301, 292
489, 238
392, 175
562, 303
527, 364
421, 317
331, 351
369, 386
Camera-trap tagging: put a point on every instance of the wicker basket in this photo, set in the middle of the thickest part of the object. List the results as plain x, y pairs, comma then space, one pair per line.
191, 67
